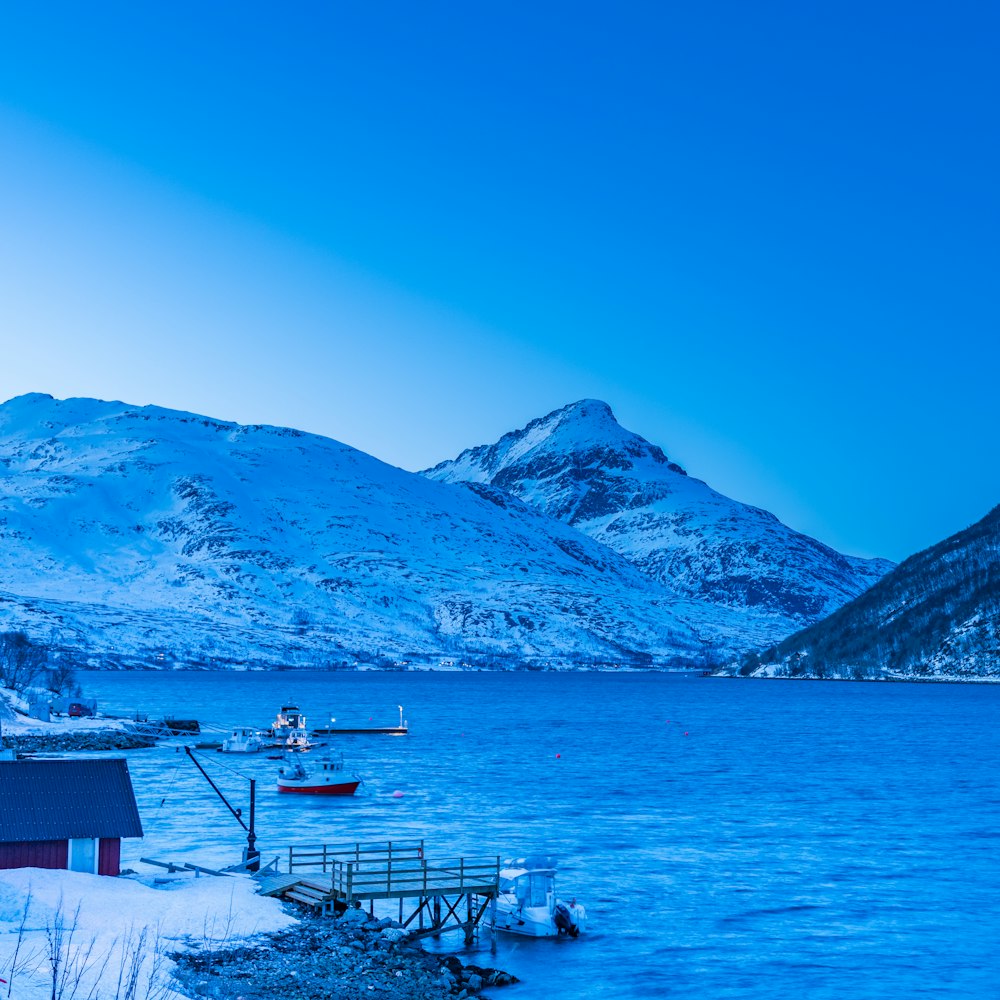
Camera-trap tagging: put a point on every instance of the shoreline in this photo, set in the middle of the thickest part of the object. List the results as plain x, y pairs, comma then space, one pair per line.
347, 957
863, 680
74, 741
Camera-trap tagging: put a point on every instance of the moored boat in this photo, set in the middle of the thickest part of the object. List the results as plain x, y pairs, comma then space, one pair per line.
288, 717
242, 740
527, 903
289, 729
325, 777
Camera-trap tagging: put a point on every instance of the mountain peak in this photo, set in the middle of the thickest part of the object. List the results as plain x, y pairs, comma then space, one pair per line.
579, 465
587, 409
584, 434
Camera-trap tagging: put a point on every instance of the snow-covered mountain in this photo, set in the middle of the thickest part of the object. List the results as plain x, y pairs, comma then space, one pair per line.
937, 614
144, 535
579, 465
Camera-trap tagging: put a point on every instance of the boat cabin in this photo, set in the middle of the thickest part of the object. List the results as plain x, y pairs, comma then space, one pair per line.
243, 740
289, 717
531, 888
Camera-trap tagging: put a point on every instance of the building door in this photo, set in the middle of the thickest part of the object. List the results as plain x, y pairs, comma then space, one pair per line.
83, 855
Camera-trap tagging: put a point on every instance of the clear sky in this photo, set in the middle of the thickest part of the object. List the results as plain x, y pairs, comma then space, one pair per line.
766, 233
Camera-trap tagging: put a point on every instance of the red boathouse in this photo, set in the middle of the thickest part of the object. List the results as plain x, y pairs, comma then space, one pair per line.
69, 814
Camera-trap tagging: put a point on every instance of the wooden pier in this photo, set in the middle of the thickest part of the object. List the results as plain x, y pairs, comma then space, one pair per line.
363, 731
447, 893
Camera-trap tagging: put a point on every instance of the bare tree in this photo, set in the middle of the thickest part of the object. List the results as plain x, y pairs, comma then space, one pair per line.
22, 662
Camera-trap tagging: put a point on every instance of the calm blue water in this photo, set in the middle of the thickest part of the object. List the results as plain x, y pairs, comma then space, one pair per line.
773, 839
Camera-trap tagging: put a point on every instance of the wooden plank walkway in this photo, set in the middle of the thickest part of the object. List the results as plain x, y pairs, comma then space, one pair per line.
276, 884
297, 889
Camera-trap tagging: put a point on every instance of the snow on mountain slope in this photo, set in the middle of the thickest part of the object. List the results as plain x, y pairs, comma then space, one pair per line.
937, 614
580, 465
145, 535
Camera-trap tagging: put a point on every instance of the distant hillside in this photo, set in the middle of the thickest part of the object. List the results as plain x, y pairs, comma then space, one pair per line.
935, 615
578, 464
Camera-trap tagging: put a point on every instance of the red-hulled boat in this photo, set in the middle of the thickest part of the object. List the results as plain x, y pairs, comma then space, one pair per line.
328, 778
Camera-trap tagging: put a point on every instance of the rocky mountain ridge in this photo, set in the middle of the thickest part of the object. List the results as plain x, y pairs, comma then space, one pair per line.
935, 616
151, 537
580, 466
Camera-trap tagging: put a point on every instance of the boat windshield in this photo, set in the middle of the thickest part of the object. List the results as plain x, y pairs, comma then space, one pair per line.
533, 888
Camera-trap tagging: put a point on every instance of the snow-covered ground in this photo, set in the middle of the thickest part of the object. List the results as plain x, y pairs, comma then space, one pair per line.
113, 936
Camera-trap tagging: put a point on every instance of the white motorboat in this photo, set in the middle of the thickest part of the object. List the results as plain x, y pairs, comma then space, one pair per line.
289, 717
527, 902
289, 729
242, 740
326, 777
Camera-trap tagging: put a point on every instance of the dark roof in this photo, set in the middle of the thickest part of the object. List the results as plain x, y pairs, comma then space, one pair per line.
60, 799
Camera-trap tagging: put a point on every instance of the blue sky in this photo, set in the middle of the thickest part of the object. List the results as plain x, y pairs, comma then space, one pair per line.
766, 234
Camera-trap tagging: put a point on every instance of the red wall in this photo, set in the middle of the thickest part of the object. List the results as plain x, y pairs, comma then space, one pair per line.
35, 854
55, 854
109, 856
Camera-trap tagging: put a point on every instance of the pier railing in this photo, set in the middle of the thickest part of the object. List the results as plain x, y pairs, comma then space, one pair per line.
395, 870
324, 856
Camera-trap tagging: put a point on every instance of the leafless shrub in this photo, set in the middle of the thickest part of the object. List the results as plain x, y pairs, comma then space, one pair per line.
136, 960
24, 959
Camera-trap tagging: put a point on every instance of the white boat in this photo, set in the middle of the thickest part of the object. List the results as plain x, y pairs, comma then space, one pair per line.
242, 740
527, 902
289, 729
289, 717
325, 777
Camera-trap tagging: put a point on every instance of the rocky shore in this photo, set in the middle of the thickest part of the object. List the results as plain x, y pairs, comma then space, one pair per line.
322, 958
81, 741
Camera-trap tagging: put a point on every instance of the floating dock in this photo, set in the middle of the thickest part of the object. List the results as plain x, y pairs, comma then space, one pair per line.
362, 730
334, 730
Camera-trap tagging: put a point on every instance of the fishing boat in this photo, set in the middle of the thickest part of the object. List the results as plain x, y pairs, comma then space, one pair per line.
288, 717
242, 740
326, 777
289, 729
527, 903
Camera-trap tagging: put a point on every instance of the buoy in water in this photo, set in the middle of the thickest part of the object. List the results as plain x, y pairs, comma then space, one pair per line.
397, 794
558, 755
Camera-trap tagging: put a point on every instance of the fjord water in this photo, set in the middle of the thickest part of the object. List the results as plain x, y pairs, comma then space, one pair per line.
729, 838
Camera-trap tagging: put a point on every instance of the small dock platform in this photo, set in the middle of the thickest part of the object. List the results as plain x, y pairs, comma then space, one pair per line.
334, 730
453, 892
362, 730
